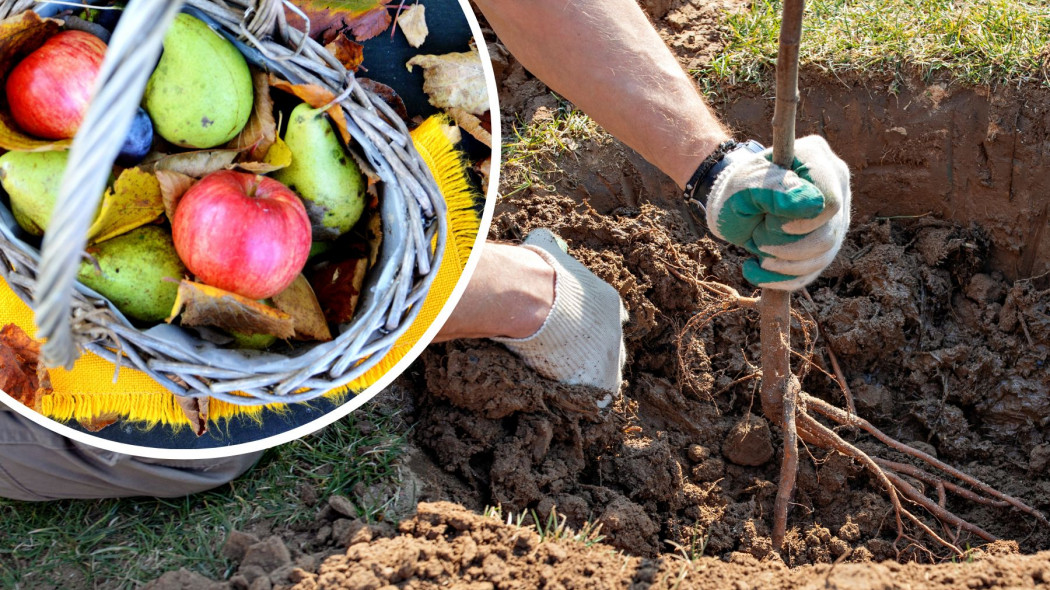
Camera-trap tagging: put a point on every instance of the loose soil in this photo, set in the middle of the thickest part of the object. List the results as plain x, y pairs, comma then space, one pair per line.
937, 309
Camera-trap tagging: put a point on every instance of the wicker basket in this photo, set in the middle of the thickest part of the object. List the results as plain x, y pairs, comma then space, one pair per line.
73, 318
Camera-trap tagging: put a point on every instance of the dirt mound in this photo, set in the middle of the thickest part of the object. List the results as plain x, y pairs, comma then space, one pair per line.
445, 544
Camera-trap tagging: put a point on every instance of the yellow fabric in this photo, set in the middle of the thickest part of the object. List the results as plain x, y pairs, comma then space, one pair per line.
88, 391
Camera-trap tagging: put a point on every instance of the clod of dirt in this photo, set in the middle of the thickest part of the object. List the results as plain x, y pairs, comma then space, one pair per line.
647, 468
1039, 459
184, 579
237, 545
268, 555
698, 453
630, 525
748, 442
342, 505
346, 532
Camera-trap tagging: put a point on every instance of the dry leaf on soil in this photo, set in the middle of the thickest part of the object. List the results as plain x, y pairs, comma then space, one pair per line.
364, 18
349, 53
316, 97
204, 305
413, 24
134, 201
300, 302
172, 186
454, 80
261, 130
19, 36
22, 375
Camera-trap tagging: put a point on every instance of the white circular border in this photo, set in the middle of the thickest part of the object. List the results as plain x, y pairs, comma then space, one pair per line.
365, 396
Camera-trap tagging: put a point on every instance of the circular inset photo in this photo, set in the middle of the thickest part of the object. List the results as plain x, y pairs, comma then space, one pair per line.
226, 225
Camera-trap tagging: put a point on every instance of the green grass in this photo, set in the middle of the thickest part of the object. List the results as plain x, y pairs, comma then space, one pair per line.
978, 42
531, 149
126, 543
553, 528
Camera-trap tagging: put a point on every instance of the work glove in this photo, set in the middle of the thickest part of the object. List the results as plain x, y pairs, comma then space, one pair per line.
792, 221
581, 342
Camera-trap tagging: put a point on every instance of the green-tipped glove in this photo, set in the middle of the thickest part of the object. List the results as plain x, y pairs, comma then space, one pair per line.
792, 221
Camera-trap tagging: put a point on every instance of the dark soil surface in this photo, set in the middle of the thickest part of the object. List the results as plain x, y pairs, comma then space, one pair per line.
937, 310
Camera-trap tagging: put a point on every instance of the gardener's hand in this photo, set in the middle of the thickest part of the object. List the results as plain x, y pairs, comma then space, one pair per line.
792, 221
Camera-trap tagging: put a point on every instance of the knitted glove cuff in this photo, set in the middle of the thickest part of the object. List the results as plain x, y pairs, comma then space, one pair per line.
581, 341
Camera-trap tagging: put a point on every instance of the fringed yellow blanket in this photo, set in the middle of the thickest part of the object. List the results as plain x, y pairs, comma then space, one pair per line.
89, 392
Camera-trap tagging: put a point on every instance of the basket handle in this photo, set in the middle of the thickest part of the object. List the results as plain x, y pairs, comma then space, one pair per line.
133, 50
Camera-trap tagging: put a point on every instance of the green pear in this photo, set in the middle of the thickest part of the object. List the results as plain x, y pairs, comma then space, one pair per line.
322, 173
253, 341
32, 179
200, 94
139, 272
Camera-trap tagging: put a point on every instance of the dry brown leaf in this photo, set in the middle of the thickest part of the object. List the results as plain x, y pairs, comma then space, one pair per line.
349, 53
374, 234
261, 130
364, 18
300, 302
196, 410
99, 422
134, 201
484, 170
197, 163
22, 375
338, 287
471, 124
279, 156
204, 305
454, 80
413, 24
388, 94
316, 97
172, 186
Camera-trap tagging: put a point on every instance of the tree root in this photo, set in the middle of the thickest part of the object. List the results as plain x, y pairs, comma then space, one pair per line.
795, 415
842, 417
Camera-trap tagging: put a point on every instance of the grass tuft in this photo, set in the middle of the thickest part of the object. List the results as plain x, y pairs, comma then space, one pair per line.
554, 528
531, 150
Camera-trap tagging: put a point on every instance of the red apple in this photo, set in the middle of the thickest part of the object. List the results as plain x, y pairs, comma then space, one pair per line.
244, 233
50, 89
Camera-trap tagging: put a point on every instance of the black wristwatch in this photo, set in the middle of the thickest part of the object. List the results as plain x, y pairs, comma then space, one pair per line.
699, 186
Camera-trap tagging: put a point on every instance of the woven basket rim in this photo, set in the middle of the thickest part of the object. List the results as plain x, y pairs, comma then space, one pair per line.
189, 366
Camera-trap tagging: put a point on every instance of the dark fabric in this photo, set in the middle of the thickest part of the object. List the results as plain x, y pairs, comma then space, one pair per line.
37, 464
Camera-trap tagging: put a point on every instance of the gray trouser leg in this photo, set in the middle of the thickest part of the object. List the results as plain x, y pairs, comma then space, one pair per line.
37, 464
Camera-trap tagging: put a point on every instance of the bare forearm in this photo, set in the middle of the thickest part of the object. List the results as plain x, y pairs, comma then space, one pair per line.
608, 60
